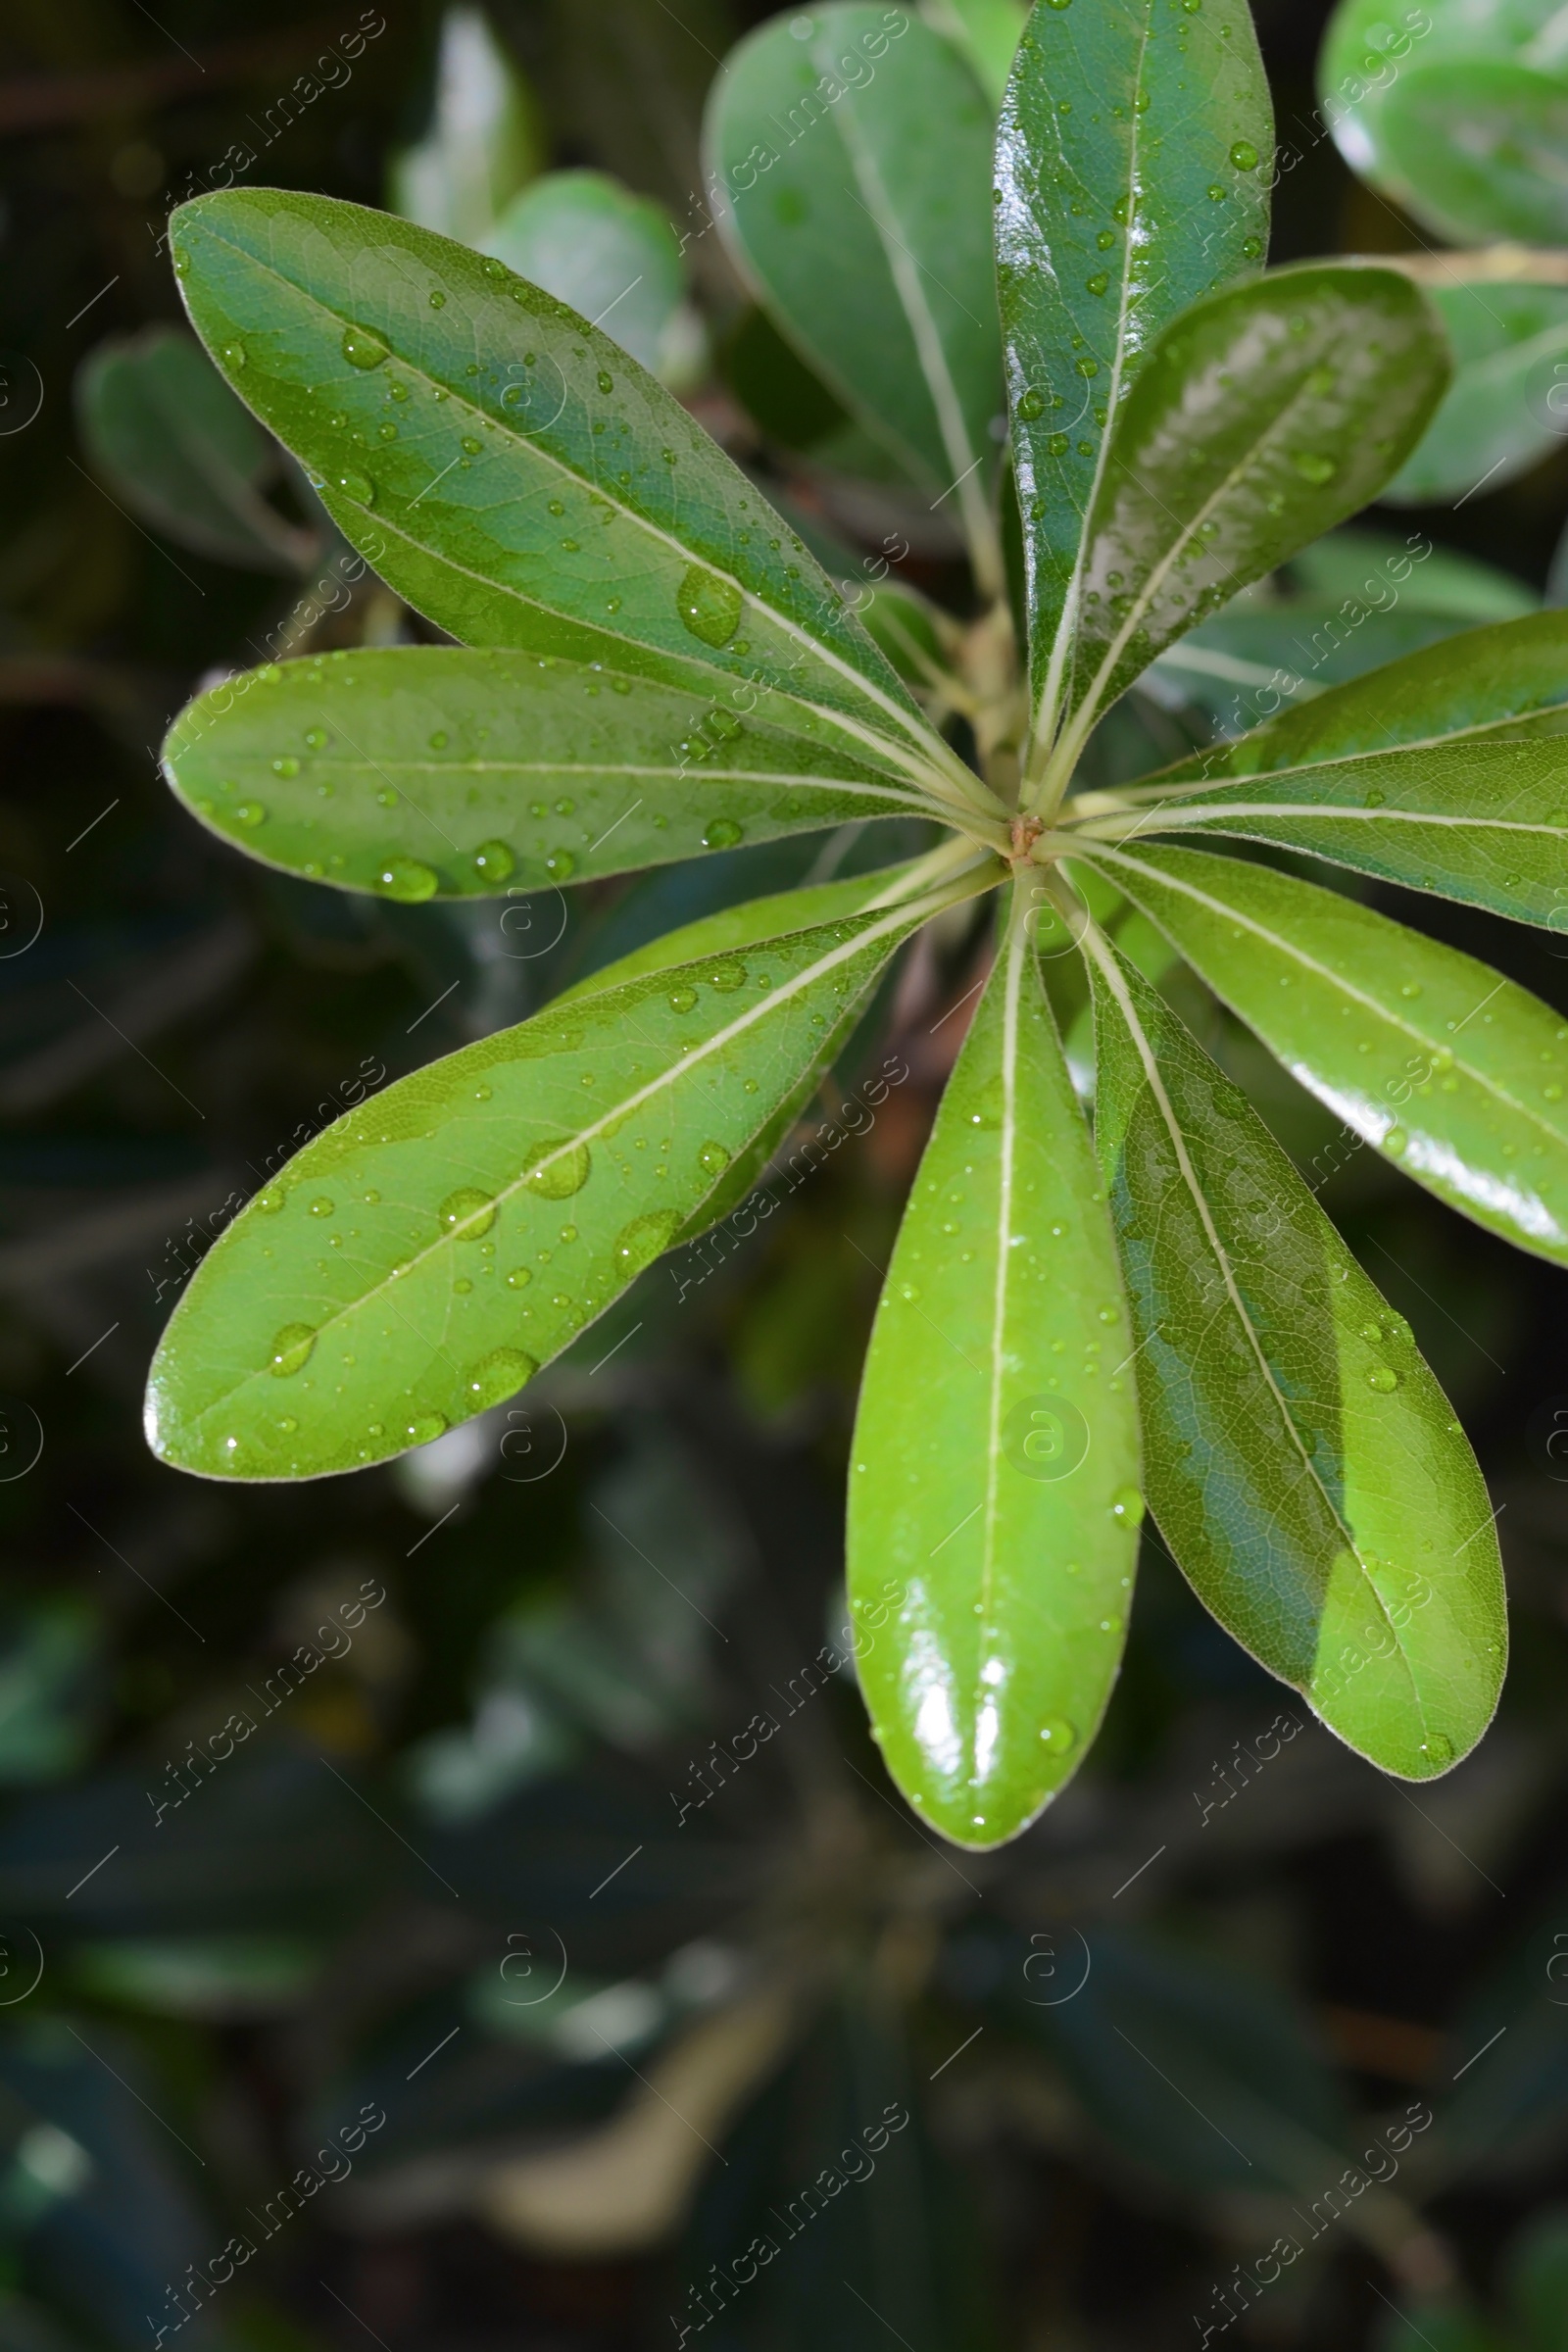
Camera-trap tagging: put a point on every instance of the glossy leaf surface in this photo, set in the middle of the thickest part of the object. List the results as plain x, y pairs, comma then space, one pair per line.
424, 1255
1304, 1466
854, 162
1133, 163
1264, 416
413, 771
995, 1465
507, 468
1483, 822
613, 256
1245, 666
1455, 1073
164, 429
1480, 145
1508, 681
1500, 415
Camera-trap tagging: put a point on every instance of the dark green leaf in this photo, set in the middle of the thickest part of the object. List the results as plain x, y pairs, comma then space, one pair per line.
393, 1279
1132, 165
511, 471
853, 151
160, 424
416, 770
1264, 416
1304, 1466
1497, 418
992, 1545
1455, 1074
1537, 2282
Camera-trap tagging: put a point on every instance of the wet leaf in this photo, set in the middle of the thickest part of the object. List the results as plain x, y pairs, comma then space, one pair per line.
1305, 1469
421, 771
1133, 165
422, 1257
853, 151
994, 1500
1455, 1073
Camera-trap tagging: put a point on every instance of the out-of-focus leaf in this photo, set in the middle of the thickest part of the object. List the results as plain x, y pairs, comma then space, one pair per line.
852, 153
1537, 2282
1434, 2327
1132, 166
159, 422
485, 139
222, 1976
987, 31
1495, 421
1479, 143
1190, 2065
49, 1658
609, 255
1243, 665
1367, 565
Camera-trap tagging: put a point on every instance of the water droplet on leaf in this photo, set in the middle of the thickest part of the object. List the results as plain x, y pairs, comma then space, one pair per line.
407, 880
709, 608
291, 1348
469, 1207
363, 347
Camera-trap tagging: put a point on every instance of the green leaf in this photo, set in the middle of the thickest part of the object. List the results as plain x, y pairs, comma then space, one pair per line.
516, 476
853, 162
993, 1540
1479, 143
425, 1255
485, 139
987, 32
1304, 1466
417, 770
1495, 421
612, 256
1245, 664
1132, 163
162, 426
1537, 2282
1455, 1074
1264, 416
1411, 817
1365, 56
1431, 579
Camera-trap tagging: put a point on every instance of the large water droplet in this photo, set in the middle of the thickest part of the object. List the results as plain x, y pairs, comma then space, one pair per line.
723, 832
1030, 405
471, 1209
561, 866
637, 1244
1060, 1736
234, 354
357, 486
407, 880
713, 1159
250, 813
1383, 1378
1438, 1748
726, 977
1313, 467
1244, 155
1127, 1506
709, 607
422, 1429
500, 1376
681, 1000
563, 1172
291, 1348
363, 347
493, 862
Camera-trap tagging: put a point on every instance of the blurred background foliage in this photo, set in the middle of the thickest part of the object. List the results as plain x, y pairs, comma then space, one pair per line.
491, 1847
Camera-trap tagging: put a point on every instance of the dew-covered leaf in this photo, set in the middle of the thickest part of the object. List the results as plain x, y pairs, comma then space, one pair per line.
994, 1500
511, 470
1456, 1075
424, 1255
417, 770
1132, 165
852, 152
1262, 418
164, 429
1305, 1467
611, 255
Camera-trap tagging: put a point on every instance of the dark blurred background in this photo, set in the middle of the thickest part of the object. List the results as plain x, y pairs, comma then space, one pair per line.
489, 1868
